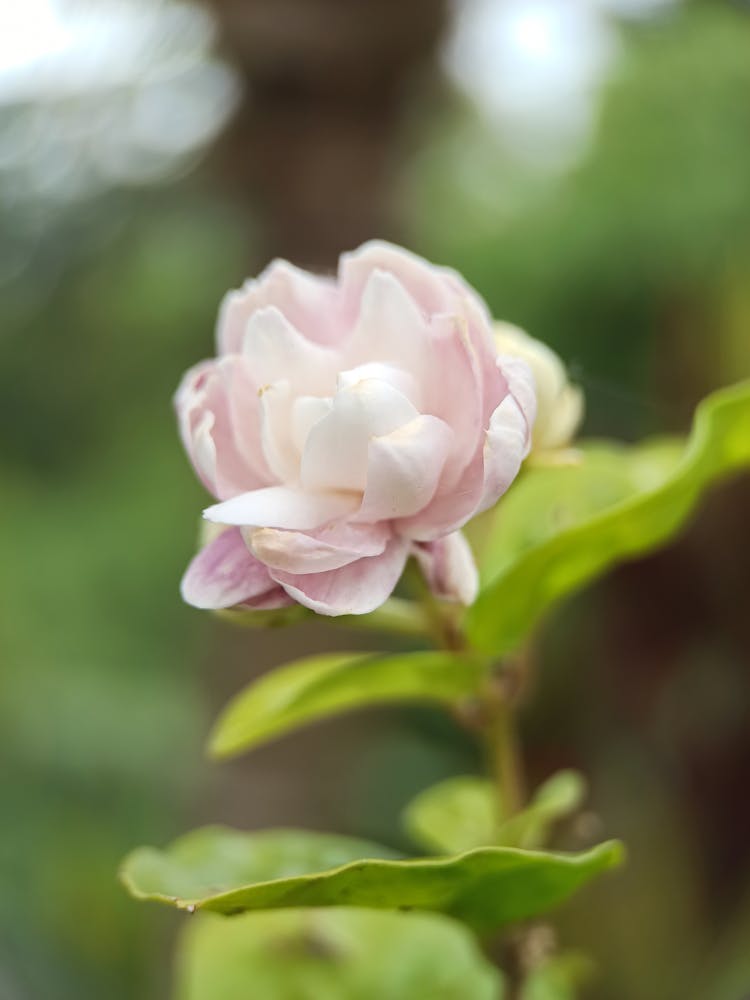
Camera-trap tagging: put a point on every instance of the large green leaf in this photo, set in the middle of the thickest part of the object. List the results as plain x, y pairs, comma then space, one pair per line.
320, 686
333, 954
560, 527
229, 872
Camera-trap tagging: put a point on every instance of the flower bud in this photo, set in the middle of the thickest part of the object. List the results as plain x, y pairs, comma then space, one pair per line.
560, 405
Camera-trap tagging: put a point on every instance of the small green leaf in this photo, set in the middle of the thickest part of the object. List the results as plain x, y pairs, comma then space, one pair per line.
334, 954
558, 978
463, 813
321, 686
456, 815
555, 799
215, 869
559, 528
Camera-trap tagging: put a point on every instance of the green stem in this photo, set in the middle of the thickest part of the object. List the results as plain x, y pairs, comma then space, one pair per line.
505, 753
396, 615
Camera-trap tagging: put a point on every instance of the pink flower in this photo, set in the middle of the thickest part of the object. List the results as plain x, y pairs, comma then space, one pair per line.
346, 424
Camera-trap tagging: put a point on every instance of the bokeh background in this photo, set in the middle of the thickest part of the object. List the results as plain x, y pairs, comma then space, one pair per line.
586, 164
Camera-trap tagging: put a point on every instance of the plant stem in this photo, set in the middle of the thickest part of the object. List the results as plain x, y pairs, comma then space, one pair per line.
504, 753
396, 615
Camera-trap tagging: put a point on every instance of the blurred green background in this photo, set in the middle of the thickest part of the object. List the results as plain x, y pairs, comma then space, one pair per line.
587, 166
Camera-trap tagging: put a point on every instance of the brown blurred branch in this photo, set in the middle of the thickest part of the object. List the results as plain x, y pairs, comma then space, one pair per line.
325, 82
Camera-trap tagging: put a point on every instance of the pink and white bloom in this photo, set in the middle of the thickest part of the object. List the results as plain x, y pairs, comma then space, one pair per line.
345, 424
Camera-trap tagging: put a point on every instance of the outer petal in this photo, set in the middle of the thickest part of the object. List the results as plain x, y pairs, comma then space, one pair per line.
508, 437
328, 548
355, 589
425, 281
280, 507
494, 464
454, 391
245, 418
310, 303
449, 567
404, 468
208, 430
225, 573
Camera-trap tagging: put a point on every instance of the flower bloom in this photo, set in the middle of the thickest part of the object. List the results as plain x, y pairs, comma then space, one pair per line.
346, 424
559, 404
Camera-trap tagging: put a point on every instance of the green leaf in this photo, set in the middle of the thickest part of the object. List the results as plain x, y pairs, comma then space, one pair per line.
558, 978
559, 528
456, 815
555, 799
320, 686
217, 869
463, 813
335, 954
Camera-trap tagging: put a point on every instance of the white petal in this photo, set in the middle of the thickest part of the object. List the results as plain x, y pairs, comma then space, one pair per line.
391, 328
280, 507
335, 455
404, 469
276, 432
402, 380
306, 412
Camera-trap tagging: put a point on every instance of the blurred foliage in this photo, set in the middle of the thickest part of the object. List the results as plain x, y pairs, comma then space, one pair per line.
99, 714
334, 954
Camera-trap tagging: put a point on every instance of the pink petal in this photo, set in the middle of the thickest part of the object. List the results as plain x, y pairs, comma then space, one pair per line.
280, 507
426, 283
508, 437
404, 468
454, 390
390, 328
494, 464
276, 350
310, 304
328, 548
225, 573
520, 379
208, 430
355, 589
245, 417
449, 567
270, 601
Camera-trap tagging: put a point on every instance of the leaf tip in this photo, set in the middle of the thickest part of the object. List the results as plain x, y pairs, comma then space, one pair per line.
613, 854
